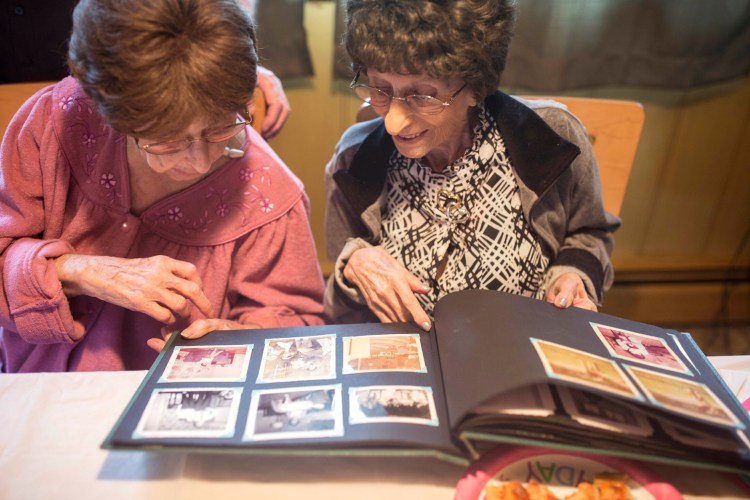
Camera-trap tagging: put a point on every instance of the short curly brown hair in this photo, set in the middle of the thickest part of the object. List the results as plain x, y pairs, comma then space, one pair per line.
154, 66
465, 39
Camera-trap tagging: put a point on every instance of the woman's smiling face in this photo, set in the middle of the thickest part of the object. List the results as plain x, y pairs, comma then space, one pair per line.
438, 139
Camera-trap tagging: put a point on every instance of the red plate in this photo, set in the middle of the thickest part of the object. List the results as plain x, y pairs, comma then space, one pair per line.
559, 470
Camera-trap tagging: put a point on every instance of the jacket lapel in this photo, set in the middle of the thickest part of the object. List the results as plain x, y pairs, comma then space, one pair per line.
363, 182
538, 154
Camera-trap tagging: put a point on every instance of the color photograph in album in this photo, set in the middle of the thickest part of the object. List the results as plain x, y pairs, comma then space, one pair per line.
684, 396
381, 353
208, 364
640, 348
582, 368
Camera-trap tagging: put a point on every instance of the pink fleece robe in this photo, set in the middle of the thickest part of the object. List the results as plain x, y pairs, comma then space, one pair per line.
64, 188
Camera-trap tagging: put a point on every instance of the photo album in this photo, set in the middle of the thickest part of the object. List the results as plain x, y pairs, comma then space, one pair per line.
495, 368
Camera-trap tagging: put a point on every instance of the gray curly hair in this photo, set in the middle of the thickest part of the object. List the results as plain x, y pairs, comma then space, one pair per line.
463, 39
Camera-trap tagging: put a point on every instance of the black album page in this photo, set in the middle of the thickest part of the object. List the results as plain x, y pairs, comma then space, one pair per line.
375, 388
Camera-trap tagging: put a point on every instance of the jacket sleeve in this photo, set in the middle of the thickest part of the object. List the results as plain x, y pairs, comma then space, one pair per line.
585, 238
33, 188
341, 221
345, 233
276, 279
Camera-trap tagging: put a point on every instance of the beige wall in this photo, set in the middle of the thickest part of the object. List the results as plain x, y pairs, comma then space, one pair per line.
321, 110
688, 202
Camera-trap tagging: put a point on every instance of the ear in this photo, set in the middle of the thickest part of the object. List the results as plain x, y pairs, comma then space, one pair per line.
250, 110
472, 100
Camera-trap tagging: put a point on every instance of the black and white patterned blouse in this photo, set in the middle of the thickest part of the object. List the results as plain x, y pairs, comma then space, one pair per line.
491, 247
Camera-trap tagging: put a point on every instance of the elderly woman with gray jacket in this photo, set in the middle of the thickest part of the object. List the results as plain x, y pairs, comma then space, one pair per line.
456, 185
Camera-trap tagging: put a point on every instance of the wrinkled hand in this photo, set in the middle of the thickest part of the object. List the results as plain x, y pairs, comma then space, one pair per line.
568, 290
197, 329
387, 286
160, 287
277, 104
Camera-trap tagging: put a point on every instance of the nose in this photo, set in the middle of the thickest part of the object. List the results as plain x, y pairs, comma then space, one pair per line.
397, 117
200, 156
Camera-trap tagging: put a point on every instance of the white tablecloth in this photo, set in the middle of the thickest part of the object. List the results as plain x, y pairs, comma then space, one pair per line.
52, 425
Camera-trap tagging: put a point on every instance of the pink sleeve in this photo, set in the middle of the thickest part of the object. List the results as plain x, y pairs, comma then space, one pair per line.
276, 280
37, 305
32, 194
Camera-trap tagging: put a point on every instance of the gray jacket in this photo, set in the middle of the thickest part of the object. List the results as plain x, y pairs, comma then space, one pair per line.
558, 182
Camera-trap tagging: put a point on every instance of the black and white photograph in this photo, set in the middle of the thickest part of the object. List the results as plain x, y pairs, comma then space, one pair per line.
383, 353
295, 413
300, 358
221, 363
533, 400
697, 435
595, 410
205, 412
392, 404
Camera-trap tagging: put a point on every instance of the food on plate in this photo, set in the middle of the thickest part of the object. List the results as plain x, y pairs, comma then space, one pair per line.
514, 490
604, 487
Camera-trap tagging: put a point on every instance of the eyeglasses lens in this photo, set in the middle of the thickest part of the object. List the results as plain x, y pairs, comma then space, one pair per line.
213, 136
224, 133
422, 104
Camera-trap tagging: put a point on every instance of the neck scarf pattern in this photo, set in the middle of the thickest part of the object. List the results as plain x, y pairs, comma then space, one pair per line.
493, 248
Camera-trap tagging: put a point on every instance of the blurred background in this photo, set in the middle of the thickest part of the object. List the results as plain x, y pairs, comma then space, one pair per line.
682, 256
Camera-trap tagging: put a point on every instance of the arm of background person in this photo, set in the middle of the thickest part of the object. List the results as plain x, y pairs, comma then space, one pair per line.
277, 104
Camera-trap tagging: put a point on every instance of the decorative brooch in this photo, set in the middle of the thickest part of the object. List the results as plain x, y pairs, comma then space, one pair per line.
452, 206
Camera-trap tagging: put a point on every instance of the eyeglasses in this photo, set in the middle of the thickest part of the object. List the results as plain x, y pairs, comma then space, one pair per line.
213, 135
421, 104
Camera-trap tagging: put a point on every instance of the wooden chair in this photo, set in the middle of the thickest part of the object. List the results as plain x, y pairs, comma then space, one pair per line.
258, 109
13, 95
614, 129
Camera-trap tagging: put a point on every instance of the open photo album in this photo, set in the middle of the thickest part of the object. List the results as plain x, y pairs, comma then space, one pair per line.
496, 368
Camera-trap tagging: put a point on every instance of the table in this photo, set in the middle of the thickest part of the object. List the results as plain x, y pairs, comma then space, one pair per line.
51, 427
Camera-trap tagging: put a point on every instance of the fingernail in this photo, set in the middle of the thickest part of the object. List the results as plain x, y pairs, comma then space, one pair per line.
426, 326
563, 301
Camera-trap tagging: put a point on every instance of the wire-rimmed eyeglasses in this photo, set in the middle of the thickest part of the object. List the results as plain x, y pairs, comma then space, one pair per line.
213, 135
381, 100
